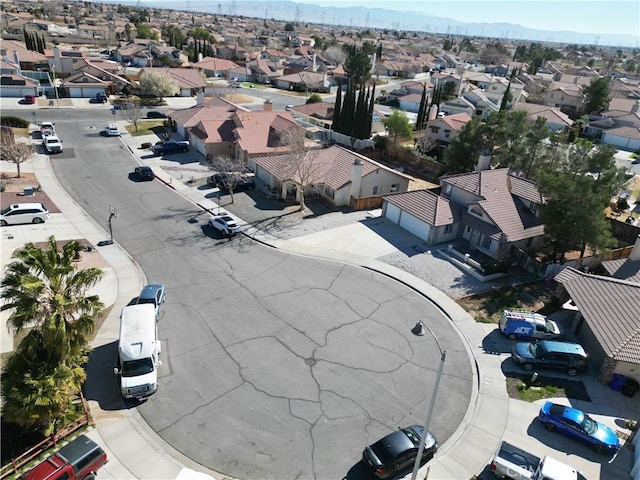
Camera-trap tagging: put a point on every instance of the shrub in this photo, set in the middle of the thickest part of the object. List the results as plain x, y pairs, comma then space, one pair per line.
16, 122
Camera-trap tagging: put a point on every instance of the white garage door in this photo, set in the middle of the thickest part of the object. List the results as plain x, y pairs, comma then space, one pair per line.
412, 224
392, 212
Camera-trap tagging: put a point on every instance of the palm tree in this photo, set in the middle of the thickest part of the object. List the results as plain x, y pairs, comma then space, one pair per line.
48, 294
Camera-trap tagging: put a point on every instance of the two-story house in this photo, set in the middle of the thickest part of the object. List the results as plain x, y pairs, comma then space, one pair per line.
495, 211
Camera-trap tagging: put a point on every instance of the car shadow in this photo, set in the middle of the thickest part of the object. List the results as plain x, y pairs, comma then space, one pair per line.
496, 343
359, 472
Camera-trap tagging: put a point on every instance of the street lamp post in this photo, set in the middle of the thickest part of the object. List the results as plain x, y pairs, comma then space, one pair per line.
55, 87
419, 330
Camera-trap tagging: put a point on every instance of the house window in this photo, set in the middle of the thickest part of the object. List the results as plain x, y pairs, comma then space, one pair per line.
448, 228
446, 135
529, 243
552, 95
447, 189
375, 190
486, 242
533, 207
435, 129
394, 187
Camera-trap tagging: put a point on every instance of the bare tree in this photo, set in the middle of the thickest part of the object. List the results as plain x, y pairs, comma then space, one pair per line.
307, 167
16, 152
132, 112
229, 171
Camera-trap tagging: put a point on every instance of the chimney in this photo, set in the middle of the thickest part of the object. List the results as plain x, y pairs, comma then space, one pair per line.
313, 65
16, 59
267, 106
484, 161
56, 58
200, 56
634, 108
635, 252
575, 81
356, 178
200, 97
433, 112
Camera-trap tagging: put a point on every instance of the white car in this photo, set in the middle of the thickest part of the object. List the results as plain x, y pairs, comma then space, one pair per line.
46, 129
112, 130
224, 224
52, 144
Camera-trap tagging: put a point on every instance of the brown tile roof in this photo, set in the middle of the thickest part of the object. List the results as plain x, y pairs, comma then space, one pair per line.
497, 190
627, 132
323, 110
261, 132
215, 131
184, 77
28, 56
77, 80
457, 121
425, 205
189, 117
333, 165
550, 114
211, 63
610, 307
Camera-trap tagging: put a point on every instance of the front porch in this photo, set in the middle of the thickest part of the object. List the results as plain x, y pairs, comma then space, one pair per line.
472, 261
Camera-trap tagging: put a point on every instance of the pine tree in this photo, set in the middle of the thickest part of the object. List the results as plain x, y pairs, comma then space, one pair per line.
337, 109
420, 119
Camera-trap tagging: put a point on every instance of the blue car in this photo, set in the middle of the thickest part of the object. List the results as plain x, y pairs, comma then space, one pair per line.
577, 424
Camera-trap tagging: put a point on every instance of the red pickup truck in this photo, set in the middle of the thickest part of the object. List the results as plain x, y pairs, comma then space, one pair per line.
78, 460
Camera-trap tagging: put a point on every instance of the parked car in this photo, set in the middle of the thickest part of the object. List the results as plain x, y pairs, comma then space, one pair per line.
145, 173
398, 451
101, 97
80, 459
237, 182
155, 114
23, 213
521, 324
29, 99
566, 356
47, 128
224, 224
171, 146
52, 144
577, 424
112, 130
153, 294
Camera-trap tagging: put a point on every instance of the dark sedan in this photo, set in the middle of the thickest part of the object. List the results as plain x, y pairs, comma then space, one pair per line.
144, 173
170, 147
577, 424
155, 114
398, 451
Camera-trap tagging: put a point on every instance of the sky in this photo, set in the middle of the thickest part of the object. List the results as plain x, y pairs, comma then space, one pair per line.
586, 16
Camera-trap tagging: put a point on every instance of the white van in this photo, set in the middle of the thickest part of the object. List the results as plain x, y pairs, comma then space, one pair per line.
138, 351
23, 213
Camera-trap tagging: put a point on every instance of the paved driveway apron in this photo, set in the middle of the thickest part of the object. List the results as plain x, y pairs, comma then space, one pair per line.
274, 365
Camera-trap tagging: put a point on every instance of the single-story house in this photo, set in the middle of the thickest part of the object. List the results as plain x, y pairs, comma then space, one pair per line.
336, 174
623, 138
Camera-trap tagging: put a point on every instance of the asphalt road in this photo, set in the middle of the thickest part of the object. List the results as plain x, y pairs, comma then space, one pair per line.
274, 366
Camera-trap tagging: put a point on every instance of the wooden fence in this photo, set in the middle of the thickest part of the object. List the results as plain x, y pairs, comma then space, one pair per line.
50, 442
366, 203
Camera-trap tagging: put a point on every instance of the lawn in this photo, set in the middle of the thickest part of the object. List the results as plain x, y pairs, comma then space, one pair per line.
146, 127
520, 387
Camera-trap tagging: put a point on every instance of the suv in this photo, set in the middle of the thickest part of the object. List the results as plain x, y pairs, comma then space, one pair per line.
101, 97
23, 213
153, 294
78, 460
52, 144
569, 357
171, 146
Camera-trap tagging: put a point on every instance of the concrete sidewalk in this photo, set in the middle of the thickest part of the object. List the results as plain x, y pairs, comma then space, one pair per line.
137, 452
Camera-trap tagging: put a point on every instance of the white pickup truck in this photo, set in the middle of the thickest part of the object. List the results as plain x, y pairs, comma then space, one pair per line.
513, 462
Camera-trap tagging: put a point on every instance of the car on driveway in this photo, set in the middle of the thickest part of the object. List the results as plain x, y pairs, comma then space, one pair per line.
398, 450
237, 182
144, 173
224, 224
171, 146
576, 424
566, 356
153, 294
155, 114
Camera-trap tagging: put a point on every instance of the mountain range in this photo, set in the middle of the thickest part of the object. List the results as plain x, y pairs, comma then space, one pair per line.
381, 18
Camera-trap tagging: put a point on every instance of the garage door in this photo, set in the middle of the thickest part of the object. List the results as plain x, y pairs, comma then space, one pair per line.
392, 212
412, 224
